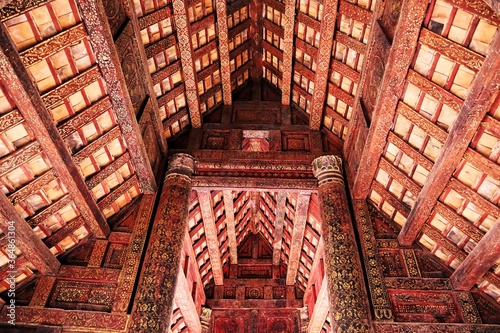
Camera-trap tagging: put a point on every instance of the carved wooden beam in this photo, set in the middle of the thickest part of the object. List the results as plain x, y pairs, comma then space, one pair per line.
231, 225
299, 226
278, 227
185, 302
482, 94
187, 60
188, 246
399, 59
207, 214
324, 56
479, 260
225, 68
289, 24
20, 87
321, 309
256, 37
144, 72
255, 209
101, 39
15, 227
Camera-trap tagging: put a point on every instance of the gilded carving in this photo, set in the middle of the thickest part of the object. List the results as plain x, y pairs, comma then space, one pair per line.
10, 119
84, 117
468, 307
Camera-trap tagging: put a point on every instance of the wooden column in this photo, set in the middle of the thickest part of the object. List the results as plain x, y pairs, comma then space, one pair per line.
289, 27
348, 298
230, 225
278, 227
18, 230
184, 301
324, 56
479, 261
299, 226
399, 59
101, 39
225, 68
154, 299
187, 61
20, 87
320, 310
256, 37
213, 246
482, 94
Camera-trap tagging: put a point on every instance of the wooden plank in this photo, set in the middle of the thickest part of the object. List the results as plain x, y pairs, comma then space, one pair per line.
20, 234
471, 195
36, 185
482, 94
321, 309
207, 214
225, 68
231, 225
101, 39
107, 171
399, 176
10, 120
425, 124
117, 192
299, 225
479, 260
399, 59
278, 227
324, 56
184, 301
410, 151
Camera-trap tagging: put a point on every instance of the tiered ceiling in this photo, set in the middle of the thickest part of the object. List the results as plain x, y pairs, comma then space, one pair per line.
409, 91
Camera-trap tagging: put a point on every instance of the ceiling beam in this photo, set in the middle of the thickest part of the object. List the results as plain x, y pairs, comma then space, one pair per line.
187, 61
324, 57
207, 213
18, 231
479, 260
299, 226
185, 302
278, 227
482, 94
101, 39
255, 209
256, 37
321, 309
19, 86
225, 68
289, 28
230, 225
399, 59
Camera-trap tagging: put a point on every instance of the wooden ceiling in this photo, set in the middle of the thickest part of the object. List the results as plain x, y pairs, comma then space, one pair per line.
407, 90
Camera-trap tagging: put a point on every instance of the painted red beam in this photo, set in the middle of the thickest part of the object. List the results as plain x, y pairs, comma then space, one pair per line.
256, 37
225, 68
16, 229
288, 50
299, 225
207, 214
323, 60
479, 261
231, 225
321, 309
482, 94
278, 227
184, 301
399, 59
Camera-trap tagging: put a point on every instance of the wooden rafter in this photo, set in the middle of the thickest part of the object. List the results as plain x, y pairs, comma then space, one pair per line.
256, 37
324, 55
187, 58
321, 308
299, 225
15, 228
230, 225
101, 39
225, 68
20, 87
278, 227
288, 50
482, 94
399, 59
479, 260
184, 301
207, 214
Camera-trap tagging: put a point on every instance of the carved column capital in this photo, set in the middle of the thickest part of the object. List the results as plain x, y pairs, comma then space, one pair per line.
181, 164
328, 169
